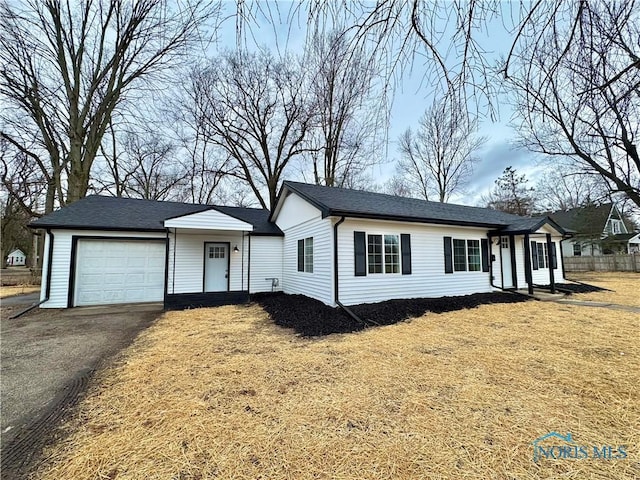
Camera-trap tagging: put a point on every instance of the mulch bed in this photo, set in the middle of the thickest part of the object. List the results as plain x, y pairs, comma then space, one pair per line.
570, 288
312, 318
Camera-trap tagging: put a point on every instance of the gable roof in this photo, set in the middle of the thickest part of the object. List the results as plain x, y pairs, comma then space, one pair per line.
96, 212
588, 220
332, 201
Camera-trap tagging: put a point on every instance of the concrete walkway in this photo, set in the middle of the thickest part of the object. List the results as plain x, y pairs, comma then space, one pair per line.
612, 306
545, 296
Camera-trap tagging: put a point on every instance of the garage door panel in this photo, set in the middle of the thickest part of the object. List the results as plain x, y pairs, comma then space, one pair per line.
119, 271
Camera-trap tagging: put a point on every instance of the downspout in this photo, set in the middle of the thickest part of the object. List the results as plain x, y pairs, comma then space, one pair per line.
47, 290
335, 274
491, 279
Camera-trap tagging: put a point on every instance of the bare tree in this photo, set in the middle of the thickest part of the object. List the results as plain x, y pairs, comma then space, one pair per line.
65, 67
581, 99
255, 107
204, 162
511, 194
562, 187
346, 118
437, 160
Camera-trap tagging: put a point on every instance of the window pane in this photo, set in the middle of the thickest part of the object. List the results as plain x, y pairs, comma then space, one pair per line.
473, 247
459, 256
374, 250
543, 259
577, 250
391, 254
308, 255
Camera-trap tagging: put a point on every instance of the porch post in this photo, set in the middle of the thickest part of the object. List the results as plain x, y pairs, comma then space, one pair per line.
512, 254
527, 263
550, 252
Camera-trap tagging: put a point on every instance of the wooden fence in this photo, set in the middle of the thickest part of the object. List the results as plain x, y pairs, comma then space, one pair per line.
603, 263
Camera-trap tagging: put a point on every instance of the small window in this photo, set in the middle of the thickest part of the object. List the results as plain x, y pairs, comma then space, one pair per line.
305, 255
543, 255
615, 226
473, 254
217, 252
467, 255
577, 250
391, 254
374, 251
504, 242
459, 255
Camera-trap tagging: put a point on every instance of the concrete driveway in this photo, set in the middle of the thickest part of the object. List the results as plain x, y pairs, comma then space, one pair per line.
45, 352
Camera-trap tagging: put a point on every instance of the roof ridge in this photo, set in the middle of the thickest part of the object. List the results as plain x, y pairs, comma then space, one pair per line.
396, 197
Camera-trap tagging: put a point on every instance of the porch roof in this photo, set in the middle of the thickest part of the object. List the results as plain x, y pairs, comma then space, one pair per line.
530, 225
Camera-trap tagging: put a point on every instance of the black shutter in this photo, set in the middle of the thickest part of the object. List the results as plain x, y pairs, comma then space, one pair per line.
301, 255
360, 254
405, 245
554, 255
484, 245
534, 255
448, 255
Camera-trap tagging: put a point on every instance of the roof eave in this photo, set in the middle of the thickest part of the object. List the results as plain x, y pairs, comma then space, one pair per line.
85, 227
396, 218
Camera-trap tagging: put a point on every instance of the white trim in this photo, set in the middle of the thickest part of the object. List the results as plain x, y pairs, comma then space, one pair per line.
209, 220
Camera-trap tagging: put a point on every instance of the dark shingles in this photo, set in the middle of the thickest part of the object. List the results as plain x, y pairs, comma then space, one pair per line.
589, 220
338, 201
111, 213
258, 217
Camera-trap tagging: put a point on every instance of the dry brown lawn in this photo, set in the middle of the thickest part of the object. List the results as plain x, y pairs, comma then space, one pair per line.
6, 291
223, 393
624, 286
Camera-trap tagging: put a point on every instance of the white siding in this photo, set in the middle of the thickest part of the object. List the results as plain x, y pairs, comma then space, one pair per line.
210, 220
427, 261
298, 220
186, 261
295, 211
540, 276
519, 241
266, 262
61, 262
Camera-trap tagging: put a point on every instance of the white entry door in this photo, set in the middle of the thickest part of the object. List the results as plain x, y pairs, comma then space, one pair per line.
505, 254
216, 267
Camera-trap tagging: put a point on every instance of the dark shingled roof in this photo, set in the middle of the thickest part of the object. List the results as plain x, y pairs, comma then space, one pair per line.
358, 203
589, 220
111, 213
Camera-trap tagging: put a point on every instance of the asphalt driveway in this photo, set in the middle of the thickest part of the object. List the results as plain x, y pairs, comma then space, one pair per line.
44, 352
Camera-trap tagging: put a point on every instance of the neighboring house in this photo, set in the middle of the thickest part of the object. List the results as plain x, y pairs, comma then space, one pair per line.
16, 258
340, 246
596, 229
634, 243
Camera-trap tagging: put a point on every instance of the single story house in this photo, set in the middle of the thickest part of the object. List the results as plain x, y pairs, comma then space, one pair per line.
340, 246
16, 258
596, 230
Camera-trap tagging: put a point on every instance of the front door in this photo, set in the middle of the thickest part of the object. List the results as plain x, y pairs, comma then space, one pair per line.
505, 255
216, 267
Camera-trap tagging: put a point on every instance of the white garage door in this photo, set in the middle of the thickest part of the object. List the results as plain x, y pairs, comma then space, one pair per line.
119, 271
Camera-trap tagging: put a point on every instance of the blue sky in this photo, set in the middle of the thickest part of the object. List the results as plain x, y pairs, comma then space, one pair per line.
410, 100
